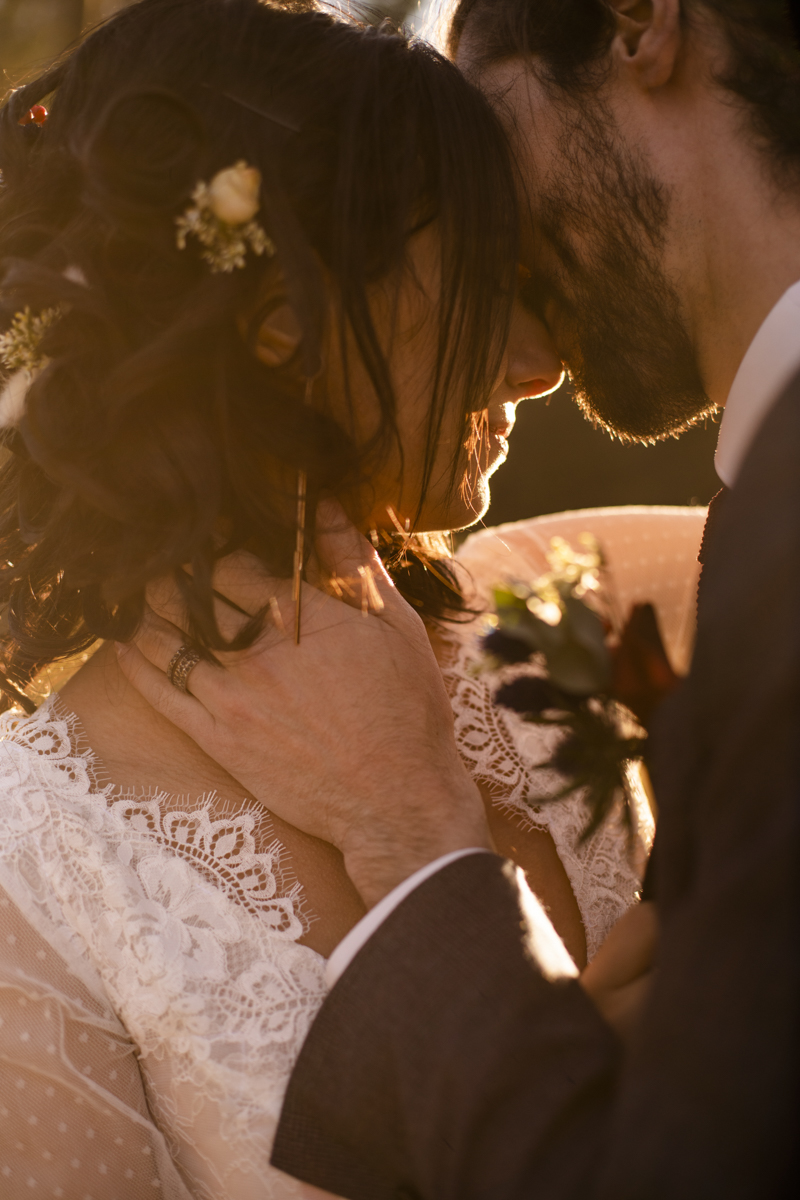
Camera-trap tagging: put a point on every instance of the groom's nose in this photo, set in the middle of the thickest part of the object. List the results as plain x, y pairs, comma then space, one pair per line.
533, 365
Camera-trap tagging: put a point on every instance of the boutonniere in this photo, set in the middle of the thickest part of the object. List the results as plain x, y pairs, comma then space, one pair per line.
597, 681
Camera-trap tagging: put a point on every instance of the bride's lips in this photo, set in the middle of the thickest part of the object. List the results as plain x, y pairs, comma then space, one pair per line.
500, 426
499, 443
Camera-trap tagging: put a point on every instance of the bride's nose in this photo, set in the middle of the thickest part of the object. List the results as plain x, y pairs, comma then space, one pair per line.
532, 366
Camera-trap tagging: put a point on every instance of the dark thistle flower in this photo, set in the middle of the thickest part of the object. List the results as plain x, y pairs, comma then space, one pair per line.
559, 619
531, 695
592, 756
572, 757
505, 647
642, 673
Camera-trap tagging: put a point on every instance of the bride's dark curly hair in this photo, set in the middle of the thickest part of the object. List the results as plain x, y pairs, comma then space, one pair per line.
153, 426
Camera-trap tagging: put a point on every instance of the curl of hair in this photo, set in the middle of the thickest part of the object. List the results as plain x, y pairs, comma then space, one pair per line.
154, 440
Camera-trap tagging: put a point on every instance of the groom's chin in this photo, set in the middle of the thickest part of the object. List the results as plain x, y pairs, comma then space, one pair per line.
644, 415
633, 367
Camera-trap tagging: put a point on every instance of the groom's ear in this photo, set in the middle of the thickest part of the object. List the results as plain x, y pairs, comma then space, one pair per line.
647, 39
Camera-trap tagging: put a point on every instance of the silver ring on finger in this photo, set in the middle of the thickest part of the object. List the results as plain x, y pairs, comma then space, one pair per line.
181, 665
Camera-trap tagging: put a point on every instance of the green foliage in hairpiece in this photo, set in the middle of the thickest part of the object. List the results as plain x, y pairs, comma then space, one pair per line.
20, 346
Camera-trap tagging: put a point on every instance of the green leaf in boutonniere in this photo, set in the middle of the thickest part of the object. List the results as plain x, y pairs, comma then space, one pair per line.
596, 683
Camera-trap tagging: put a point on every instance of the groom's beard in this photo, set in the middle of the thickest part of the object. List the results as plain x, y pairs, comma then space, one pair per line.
617, 318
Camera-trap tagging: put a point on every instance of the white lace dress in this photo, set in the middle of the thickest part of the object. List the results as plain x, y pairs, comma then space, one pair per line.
153, 994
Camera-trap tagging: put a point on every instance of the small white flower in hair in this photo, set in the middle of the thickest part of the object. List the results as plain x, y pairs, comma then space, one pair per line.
12, 398
221, 218
20, 355
233, 194
75, 275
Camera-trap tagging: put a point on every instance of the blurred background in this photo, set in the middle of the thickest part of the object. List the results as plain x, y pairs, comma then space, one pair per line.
557, 460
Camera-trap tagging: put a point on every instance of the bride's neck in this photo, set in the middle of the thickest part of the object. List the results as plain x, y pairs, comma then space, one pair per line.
135, 744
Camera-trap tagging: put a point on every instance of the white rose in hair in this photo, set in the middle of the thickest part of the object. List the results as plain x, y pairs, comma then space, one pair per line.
233, 194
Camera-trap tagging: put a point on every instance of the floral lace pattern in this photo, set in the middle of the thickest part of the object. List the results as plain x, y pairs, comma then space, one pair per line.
184, 924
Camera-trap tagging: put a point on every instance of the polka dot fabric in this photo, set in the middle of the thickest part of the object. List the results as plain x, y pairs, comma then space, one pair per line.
74, 1121
651, 553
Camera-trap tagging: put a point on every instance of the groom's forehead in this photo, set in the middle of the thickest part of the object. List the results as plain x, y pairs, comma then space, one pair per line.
532, 115
512, 85
540, 121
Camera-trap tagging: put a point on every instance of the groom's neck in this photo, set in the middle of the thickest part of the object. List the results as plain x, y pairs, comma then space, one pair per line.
735, 240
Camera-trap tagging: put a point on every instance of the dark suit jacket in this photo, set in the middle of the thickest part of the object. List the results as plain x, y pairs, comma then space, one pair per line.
443, 1064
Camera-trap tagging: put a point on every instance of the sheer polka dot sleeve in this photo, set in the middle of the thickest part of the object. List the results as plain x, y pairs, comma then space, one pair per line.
74, 1121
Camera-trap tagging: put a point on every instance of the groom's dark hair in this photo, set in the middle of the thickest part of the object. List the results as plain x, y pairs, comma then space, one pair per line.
570, 38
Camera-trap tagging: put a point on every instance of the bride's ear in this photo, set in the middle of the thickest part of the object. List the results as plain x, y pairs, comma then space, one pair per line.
271, 328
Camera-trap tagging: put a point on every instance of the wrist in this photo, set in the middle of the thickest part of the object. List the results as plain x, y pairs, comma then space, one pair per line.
381, 854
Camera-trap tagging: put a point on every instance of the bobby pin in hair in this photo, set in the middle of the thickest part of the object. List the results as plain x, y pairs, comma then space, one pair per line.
284, 122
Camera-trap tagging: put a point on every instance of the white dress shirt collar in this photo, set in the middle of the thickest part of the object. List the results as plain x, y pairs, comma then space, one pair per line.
360, 934
771, 361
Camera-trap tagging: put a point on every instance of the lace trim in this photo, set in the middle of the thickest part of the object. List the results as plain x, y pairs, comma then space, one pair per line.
224, 852
230, 843
503, 753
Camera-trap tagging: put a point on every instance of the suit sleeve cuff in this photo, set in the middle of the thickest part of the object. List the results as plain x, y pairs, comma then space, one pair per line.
360, 934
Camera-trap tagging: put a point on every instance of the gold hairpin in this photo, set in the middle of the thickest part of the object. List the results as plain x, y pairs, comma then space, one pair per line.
300, 534
222, 219
299, 551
